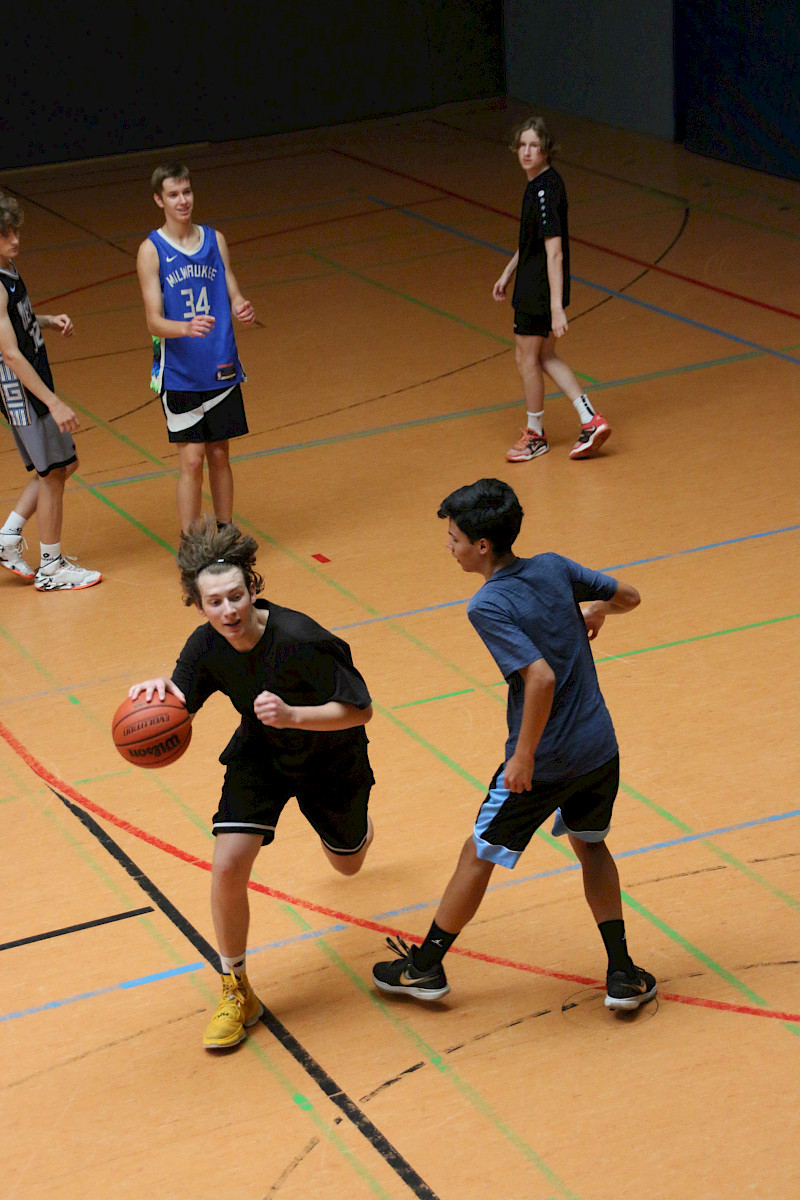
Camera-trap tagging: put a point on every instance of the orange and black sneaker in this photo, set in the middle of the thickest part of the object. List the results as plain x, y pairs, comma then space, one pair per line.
530, 445
591, 437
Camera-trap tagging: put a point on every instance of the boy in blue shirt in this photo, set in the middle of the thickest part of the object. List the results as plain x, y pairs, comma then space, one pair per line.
536, 617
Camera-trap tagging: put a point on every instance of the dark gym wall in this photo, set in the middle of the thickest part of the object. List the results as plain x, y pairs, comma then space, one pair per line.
608, 60
83, 82
740, 63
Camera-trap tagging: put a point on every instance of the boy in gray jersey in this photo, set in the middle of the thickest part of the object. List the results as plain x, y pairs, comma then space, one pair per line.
41, 423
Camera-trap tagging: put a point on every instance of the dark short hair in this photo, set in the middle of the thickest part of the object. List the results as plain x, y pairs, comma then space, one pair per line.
166, 171
206, 548
10, 213
487, 509
539, 127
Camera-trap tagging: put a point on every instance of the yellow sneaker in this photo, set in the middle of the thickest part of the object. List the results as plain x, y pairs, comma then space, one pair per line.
238, 1009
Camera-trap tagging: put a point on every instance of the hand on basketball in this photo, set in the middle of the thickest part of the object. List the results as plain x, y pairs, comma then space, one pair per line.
158, 687
272, 711
245, 312
593, 619
64, 417
199, 326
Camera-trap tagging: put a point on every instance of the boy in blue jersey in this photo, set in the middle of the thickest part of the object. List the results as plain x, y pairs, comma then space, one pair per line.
536, 617
189, 293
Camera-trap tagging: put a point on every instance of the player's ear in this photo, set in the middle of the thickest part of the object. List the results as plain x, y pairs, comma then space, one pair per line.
158, 200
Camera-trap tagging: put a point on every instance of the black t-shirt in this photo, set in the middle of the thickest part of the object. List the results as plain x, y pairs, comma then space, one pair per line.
27, 332
302, 663
544, 215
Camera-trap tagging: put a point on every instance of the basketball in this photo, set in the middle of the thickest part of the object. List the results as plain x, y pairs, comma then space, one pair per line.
154, 734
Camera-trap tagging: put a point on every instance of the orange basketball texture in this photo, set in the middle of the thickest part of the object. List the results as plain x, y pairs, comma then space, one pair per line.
154, 734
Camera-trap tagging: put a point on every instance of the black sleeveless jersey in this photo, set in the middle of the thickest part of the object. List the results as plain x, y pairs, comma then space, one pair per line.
27, 331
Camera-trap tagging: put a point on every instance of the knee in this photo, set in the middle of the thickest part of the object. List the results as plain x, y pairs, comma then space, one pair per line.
191, 462
230, 873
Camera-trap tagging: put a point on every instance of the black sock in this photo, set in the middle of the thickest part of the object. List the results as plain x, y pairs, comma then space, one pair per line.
613, 935
433, 949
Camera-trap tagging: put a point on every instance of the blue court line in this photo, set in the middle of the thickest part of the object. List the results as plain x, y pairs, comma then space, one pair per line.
312, 934
597, 287
638, 562
438, 418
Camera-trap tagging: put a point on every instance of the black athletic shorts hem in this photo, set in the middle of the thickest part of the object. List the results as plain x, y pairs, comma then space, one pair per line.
532, 324
507, 821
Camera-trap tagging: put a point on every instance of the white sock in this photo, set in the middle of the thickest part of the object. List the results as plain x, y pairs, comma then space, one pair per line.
233, 966
14, 525
535, 422
50, 554
583, 408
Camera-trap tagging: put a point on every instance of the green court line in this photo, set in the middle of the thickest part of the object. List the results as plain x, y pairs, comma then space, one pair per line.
430, 699
435, 1059
699, 637
200, 985
344, 591
653, 919
439, 312
39, 797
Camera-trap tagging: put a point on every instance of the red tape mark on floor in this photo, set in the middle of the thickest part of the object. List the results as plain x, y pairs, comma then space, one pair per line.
59, 785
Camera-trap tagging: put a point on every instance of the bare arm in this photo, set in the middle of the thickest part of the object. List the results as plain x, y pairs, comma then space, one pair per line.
242, 309
555, 278
499, 289
595, 612
61, 322
150, 283
540, 683
318, 718
16, 361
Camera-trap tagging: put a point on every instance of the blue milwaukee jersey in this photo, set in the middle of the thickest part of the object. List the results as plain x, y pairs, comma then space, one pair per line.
194, 285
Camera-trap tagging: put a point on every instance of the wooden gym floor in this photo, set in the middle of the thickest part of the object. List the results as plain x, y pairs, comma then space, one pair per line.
381, 376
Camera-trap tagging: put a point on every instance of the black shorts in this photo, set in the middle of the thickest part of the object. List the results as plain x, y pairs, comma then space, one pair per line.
531, 324
507, 821
252, 803
214, 416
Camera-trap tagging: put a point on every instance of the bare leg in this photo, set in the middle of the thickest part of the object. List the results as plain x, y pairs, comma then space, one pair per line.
220, 479
528, 349
350, 864
50, 505
189, 491
600, 879
234, 855
26, 505
562, 376
464, 892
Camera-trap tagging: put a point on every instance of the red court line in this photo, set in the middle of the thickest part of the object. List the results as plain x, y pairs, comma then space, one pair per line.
378, 210
640, 262
59, 785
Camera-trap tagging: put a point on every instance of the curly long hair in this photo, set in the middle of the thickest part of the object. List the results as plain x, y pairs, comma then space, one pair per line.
206, 548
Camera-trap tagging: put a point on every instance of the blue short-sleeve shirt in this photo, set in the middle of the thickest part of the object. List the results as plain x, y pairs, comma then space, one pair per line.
530, 611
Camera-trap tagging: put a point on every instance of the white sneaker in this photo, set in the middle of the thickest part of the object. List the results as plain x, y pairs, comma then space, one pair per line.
63, 575
11, 556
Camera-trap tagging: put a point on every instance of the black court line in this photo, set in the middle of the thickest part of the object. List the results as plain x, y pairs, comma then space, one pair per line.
53, 933
313, 1069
